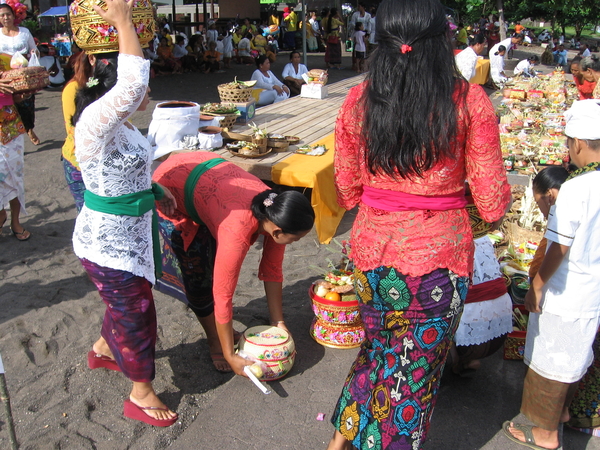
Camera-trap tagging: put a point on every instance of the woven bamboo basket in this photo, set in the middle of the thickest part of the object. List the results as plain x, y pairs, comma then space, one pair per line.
262, 144
94, 35
228, 120
234, 95
27, 79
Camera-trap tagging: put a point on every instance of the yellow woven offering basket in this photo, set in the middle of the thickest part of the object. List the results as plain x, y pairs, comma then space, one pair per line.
238, 94
94, 35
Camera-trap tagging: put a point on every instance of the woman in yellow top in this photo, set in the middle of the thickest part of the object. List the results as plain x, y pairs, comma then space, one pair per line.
332, 28
259, 43
83, 68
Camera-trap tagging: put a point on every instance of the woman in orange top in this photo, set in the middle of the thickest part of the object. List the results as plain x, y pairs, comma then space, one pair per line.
231, 209
585, 87
407, 138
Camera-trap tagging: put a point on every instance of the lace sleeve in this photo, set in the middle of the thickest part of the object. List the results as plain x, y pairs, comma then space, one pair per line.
347, 148
485, 169
100, 119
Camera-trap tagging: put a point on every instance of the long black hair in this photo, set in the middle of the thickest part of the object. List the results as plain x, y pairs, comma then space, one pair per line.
289, 210
332, 13
105, 73
549, 178
410, 116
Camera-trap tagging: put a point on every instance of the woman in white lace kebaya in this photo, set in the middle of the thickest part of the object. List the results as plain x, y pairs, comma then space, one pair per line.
113, 233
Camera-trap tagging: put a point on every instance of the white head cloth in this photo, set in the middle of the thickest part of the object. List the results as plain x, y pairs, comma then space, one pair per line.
583, 120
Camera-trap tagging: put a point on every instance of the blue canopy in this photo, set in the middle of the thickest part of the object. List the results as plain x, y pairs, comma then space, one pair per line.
55, 11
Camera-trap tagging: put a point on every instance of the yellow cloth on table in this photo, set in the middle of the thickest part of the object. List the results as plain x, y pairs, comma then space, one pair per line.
314, 172
482, 72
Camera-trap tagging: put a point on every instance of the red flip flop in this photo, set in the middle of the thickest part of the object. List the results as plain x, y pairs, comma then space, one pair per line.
136, 412
95, 361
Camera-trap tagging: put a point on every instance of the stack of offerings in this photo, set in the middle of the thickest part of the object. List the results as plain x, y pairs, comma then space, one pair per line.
315, 84
239, 94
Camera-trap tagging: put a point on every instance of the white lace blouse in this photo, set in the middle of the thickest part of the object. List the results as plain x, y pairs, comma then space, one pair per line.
115, 159
22, 42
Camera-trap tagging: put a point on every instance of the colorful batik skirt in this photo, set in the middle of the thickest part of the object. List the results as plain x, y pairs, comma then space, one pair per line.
389, 395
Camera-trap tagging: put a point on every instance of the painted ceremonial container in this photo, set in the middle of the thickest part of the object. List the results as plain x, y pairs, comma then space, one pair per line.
94, 35
337, 323
273, 347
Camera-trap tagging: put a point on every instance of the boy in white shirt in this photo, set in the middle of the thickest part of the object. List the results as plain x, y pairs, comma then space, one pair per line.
360, 48
564, 298
525, 67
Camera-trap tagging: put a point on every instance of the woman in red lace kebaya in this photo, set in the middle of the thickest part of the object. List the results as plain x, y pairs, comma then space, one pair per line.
407, 138
221, 212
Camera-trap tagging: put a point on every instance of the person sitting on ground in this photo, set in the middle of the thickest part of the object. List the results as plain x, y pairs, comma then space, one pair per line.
497, 67
273, 90
180, 53
229, 210
584, 86
292, 74
211, 58
584, 50
166, 33
560, 55
166, 63
243, 50
271, 54
466, 61
525, 67
259, 43
53, 66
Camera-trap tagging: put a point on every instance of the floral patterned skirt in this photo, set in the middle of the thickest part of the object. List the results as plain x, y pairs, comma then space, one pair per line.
12, 148
389, 395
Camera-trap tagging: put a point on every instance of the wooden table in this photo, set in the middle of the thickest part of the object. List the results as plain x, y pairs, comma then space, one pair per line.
310, 119
313, 121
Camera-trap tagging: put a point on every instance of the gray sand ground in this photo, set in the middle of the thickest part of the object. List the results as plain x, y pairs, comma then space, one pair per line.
51, 314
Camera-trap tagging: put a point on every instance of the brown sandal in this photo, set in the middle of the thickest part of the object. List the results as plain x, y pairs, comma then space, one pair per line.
33, 137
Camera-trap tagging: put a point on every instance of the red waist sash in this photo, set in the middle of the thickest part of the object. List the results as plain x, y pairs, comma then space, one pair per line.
488, 290
401, 201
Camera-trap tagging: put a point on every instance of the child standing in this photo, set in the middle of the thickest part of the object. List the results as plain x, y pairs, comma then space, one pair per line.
564, 298
359, 46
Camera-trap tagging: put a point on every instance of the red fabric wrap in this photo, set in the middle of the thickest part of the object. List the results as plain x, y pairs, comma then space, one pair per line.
486, 291
388, 200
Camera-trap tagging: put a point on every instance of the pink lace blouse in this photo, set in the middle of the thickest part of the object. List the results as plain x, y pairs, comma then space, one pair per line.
419, 242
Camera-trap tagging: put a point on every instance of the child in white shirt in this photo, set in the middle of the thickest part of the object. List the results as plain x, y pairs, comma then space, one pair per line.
359, 46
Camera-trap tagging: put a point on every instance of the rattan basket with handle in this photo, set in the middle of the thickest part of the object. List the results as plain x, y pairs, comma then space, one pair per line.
238, 94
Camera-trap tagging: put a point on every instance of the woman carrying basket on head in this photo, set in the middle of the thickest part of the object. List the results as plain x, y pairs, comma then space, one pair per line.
113, 235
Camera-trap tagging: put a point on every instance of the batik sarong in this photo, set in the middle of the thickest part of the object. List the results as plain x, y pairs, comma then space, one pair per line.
129, 325
75, 183
390, 393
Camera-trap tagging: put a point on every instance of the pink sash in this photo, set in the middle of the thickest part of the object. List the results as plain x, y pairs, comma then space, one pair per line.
402, 201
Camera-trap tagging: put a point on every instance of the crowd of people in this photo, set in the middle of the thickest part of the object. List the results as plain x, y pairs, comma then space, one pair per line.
431, 294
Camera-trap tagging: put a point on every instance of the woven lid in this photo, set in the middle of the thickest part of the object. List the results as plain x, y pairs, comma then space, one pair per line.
92, 34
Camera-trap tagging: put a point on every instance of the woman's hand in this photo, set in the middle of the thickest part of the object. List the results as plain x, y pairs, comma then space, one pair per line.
5, 87
167, 204
278, 89
118, 12
238, 363
280, 324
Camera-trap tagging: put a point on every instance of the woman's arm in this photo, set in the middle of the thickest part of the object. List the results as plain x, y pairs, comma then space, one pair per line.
261, 81
483, 158
119, 13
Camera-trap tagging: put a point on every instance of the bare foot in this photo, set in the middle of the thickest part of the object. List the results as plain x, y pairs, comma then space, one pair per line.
144, 397
100, 347
543, 438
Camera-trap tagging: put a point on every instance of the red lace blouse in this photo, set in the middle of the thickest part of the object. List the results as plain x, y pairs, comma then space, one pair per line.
418, 242
222, 198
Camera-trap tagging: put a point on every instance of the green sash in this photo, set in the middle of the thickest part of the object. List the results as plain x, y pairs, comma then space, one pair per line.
190, 185
135, 205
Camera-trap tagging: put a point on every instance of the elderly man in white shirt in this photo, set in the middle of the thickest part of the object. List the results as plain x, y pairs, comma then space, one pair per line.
466, 61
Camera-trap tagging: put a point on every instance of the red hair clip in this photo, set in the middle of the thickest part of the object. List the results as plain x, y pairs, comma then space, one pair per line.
405, 48
105, 61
